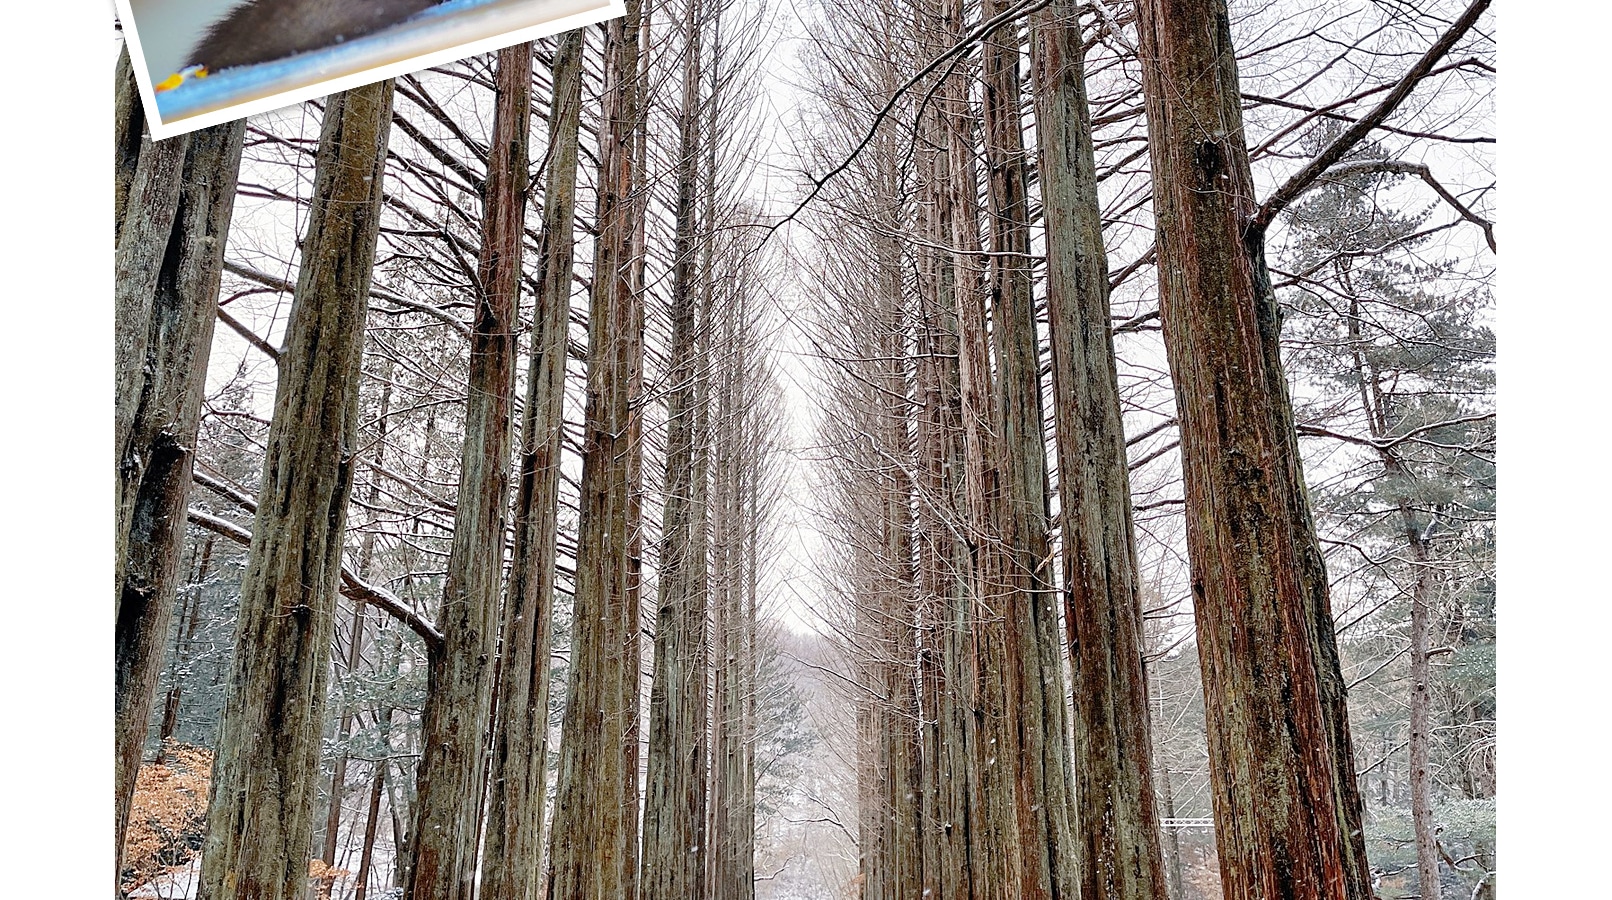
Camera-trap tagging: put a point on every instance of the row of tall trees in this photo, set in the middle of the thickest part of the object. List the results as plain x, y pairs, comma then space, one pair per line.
978, 488
414, 563
1149, 348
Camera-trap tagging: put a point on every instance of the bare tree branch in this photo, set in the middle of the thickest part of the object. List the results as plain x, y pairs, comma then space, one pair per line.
1423, 172
1301, 181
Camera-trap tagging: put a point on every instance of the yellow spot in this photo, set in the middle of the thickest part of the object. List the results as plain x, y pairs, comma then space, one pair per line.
180, 77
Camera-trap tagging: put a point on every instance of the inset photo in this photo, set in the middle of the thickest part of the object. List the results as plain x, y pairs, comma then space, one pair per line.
201, 62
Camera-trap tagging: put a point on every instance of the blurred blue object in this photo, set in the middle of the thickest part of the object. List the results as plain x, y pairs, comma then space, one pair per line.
436, 28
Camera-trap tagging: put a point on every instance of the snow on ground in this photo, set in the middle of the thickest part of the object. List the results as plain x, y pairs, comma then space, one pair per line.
180, 884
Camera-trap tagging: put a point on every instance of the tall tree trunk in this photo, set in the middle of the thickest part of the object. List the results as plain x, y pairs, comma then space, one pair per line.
366, 856
1380, 424
458, 702
1421, 716
595, 836
890, 841
1287, 809
972, 854
261, 807
1117, 854
993, 851
702, 553
344, 727
942, 551
631, 685
903, 875
514, 848
175, 198
675, 842
745, 836
727, 735
736, 451
187, 634
1033, 664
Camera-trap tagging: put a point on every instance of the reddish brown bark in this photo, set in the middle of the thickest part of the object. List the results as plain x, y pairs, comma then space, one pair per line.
1287, 809
594, 844
514, 847
1116, 825
1032, 664
941, 552
458, 703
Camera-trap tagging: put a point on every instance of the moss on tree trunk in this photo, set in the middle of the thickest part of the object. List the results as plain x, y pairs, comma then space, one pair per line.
267, 769
1116, 824
594, 843
1287, 810
458, 704
175, 199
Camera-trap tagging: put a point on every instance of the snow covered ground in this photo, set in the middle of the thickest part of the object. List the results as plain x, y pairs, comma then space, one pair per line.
180, 884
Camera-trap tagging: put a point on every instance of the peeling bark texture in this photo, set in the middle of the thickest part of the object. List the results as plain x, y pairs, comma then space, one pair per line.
1287, 809
1036, 742
514, 848
942, 563
731, 826
129, 137
1116, 824
993, 850
594, 843
459, 698
267, 768
150, 207
173, 217
675, 841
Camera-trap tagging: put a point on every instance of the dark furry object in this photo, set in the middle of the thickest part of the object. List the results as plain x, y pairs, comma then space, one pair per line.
262, 30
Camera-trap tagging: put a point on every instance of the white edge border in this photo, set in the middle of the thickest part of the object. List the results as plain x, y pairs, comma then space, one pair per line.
159, 129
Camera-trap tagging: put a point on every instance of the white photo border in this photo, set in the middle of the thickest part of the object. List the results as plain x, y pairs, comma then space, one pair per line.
597, 11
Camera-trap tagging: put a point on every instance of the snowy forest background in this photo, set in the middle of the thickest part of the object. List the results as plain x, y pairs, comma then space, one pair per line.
1386, 288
